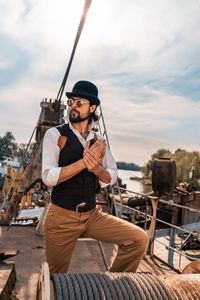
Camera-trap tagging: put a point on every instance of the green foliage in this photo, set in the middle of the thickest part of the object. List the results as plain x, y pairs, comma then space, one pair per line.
148, 167
128, 166
8, 146
10, 149
187, 164
22, 153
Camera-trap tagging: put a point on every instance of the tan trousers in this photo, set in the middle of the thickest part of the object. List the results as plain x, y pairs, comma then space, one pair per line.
63, 227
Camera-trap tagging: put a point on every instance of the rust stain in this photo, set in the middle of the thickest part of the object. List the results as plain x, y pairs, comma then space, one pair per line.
184, 287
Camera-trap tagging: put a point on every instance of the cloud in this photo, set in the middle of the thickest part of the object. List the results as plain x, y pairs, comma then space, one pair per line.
138, 148
143, 56
139, 128
158, 106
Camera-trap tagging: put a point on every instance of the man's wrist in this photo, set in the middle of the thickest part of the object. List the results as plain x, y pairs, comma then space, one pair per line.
102, 174
83, 163
98, 170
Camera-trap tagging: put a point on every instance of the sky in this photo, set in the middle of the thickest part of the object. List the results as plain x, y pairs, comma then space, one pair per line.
143, 55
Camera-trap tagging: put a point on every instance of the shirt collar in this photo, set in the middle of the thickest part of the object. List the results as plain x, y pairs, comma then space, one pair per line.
90, 135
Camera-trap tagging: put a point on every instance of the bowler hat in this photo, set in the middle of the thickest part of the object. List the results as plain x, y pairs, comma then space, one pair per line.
87, 90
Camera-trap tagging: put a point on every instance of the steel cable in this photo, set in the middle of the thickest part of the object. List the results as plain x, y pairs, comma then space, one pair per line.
117, 279
133, 287
128, 289
65, 292
94, 285
137, 285
143, 286
73, 282
81, 286
106, 280
151, 290
100, 288
89, 287
115, 287
58, 287
109, 286
158, 284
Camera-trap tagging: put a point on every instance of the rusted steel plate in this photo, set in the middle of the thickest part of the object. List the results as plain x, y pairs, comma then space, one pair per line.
184, 286
192, 268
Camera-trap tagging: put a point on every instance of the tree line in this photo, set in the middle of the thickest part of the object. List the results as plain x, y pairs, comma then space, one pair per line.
187, 165
128, 166
9, 148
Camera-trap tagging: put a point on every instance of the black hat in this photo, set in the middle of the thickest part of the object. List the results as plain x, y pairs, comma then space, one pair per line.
87, 90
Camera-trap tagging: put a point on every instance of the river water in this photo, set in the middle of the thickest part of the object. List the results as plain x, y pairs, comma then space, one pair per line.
133, 185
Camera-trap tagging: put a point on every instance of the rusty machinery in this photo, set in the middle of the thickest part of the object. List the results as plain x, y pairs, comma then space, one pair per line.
32, 174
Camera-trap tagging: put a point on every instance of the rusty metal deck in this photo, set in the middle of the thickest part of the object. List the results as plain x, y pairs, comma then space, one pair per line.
86, 258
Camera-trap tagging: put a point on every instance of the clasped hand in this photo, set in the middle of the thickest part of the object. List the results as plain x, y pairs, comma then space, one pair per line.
93, 156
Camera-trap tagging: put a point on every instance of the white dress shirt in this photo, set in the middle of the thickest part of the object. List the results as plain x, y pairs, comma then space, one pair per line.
51, 151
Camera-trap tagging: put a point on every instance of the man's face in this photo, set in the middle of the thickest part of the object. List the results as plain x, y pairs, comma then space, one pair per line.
79, 109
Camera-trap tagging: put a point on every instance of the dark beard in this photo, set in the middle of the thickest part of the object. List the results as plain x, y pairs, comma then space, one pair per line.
77, 119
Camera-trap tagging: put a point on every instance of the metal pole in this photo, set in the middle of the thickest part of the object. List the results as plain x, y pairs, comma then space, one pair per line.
171, 244
80, 27
103, 255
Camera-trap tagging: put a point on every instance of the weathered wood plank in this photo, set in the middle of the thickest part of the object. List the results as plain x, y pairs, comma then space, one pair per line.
7, 279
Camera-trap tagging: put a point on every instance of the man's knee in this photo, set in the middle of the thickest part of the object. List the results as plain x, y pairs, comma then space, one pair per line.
142, 240
139, 240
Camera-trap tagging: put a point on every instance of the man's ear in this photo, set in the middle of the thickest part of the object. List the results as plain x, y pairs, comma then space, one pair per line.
92, 108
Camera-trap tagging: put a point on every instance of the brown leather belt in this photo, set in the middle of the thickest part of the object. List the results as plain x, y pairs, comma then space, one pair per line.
82, 207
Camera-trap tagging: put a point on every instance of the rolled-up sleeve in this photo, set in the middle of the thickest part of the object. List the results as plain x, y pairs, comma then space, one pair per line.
109, 164
50, 156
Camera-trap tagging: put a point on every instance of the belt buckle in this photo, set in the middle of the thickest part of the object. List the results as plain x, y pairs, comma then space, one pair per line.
80, 205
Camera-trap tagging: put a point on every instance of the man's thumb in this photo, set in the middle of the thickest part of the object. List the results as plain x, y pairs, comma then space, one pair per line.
87, 146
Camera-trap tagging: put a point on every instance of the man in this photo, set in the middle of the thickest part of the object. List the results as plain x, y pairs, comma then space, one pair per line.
75, 160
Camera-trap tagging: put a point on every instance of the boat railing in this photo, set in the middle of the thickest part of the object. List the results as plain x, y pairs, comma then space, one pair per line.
172, 230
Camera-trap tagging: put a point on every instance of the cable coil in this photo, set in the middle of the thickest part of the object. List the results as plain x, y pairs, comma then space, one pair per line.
109, 286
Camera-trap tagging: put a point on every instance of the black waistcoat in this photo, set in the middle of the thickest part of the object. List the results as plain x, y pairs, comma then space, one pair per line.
81, 187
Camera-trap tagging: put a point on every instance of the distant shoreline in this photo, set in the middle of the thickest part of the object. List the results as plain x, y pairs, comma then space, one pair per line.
142, 180
139, 170
128, 166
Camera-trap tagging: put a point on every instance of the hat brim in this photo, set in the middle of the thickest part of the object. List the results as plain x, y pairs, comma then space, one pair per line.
93, 100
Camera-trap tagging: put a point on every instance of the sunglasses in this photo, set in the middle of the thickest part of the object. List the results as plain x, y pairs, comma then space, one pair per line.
79, 102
